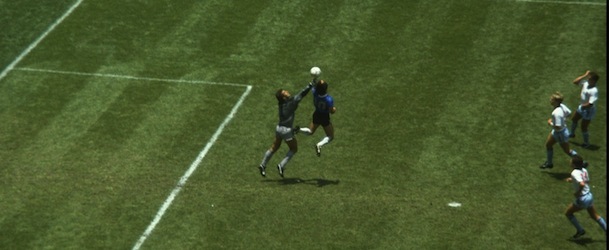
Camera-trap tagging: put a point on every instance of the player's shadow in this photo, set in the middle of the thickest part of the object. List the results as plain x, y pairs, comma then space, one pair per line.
592, 147
584, 241
558, 176
318, 182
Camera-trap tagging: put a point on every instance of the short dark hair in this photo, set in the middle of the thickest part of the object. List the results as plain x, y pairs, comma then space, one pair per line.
321, 88
279, 95
577, 161
593, 76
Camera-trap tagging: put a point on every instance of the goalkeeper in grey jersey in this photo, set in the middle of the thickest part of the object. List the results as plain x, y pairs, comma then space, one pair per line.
284, 131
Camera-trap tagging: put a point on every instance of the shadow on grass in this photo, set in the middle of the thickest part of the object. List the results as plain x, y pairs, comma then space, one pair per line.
592, 147
584, 241
558, 176
315, 181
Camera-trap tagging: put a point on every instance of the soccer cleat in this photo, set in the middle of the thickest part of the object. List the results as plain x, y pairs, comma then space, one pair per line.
262, 170
579, 234
585, 164
318, 150
586, 145
546, 165
280, 169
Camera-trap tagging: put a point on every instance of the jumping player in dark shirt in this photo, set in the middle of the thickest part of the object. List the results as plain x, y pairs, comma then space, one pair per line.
324, 106
284, 131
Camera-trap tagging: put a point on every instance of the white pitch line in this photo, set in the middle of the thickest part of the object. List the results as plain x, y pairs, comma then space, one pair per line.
562, 2
129, 77
37, 41
189, 172
195, 164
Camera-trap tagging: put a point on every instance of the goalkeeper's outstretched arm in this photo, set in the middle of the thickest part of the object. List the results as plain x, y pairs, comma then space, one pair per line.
304, 91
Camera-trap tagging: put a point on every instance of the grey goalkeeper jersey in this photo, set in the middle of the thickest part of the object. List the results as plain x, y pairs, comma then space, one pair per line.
287, 109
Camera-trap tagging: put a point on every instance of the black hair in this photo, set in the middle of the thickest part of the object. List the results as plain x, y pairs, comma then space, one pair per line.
577, 161
321, 88
279, 96
593, 76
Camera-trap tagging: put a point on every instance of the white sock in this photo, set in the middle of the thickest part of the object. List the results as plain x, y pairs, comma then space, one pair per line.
324, 141
305, 131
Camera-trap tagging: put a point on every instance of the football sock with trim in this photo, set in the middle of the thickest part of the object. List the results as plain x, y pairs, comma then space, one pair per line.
586, 136
287, 158
573, 127
575, 223
267, 156
601, 222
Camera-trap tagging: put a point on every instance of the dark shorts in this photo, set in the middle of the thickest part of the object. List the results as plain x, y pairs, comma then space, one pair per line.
322, 119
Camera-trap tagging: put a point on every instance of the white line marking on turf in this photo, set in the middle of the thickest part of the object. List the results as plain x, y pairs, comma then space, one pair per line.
199, 158
129, 77
562, 2
189, 172
37, 41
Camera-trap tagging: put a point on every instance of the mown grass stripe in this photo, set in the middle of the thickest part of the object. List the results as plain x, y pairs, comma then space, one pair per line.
191, 169
37, 41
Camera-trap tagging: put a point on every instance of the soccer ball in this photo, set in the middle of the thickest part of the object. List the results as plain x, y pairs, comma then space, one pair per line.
315, 72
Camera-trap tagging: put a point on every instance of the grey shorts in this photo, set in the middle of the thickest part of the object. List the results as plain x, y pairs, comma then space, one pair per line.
285, 133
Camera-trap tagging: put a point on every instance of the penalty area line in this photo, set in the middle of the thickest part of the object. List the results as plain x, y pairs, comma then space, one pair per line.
127, 77
188, 173
37, 41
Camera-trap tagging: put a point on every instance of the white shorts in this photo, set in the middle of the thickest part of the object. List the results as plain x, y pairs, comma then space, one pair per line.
561, 136
587, 114
584, 201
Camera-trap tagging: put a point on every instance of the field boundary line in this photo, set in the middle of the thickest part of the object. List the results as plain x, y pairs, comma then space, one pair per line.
562, 2
128, 77
38, 40
191, 169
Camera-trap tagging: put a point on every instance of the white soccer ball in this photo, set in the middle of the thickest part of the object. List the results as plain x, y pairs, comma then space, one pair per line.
315, 71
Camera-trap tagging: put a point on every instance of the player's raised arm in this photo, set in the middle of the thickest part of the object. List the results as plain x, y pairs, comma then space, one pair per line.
579, 78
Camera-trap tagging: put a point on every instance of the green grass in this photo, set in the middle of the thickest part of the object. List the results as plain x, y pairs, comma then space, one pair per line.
438, 101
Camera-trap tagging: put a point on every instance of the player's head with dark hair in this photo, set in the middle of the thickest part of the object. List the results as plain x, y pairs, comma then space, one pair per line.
282, 95
321, 88
592, 77
577, 162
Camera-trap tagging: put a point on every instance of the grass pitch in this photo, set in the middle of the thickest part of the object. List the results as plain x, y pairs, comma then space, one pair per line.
438, 102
